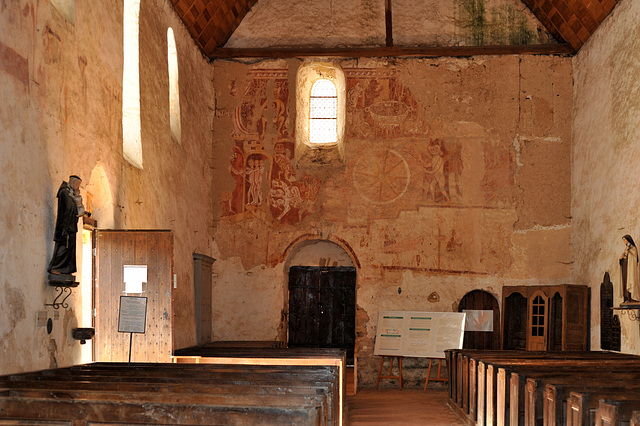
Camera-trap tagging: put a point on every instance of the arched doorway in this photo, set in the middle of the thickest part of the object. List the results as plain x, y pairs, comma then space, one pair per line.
322, 297
483, 320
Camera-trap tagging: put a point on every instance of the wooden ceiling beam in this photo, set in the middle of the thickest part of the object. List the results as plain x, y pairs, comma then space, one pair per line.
388, 20
395, 51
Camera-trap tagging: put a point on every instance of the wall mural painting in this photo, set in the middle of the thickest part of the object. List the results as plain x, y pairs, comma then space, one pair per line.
440, 164
435, 182
499, 175
382, 177
290, 199
379, 106
248, 170
264, 153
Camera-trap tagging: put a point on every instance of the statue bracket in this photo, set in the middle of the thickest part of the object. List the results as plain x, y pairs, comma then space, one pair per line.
63, 284
630, 309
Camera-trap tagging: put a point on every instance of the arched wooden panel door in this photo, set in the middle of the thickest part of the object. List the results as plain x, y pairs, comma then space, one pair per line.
483, 325
538, 326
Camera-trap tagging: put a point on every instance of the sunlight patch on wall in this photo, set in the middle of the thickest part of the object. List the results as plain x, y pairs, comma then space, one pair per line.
174, 92
131, 127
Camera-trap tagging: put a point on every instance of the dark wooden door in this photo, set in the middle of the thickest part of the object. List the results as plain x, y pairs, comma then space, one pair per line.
322, 308
479, 300
203, 285
114, 250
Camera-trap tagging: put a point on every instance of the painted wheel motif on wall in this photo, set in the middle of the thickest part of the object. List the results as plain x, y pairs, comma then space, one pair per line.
382, 177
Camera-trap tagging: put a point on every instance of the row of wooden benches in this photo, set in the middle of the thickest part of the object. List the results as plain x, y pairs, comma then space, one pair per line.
175, 393
550, 388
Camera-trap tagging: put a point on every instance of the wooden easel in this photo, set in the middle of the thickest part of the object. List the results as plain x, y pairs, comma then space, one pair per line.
390, 375
439, 378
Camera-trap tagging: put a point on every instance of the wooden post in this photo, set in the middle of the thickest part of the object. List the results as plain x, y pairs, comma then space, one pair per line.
439, 378
390, 375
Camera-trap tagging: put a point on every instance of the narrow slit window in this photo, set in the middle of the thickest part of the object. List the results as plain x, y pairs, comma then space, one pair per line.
131, 126
323, 117
174, 92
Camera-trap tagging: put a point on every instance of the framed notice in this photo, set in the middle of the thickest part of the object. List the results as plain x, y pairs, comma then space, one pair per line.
419, 334
133, 314
479, 320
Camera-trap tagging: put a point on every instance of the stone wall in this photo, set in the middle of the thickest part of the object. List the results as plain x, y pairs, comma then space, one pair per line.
61, 83
606, 132
326, 23
456, 177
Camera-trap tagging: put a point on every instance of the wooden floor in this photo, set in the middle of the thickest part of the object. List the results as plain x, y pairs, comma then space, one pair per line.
405, 407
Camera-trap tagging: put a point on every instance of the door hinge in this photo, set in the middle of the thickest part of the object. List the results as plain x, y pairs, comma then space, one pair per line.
95, 252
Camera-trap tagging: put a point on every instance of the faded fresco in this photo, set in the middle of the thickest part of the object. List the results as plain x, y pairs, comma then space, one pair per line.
261, 161
426, 191
420, 164
379, 106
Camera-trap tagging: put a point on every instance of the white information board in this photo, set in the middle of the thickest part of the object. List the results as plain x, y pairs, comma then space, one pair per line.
419, 334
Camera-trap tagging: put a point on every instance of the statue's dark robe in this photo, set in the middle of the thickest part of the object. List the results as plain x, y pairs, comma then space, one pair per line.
64, 252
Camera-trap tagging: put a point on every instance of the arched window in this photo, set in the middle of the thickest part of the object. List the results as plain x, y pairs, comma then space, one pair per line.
320, 115
323, 114
131, 128
174, 92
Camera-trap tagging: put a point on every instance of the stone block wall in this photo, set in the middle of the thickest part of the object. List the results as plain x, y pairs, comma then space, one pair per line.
456, 177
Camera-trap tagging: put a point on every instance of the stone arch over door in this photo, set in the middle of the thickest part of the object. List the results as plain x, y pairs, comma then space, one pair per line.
484, 307
321, 295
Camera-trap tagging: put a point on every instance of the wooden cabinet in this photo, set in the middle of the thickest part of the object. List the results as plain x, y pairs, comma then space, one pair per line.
545, 318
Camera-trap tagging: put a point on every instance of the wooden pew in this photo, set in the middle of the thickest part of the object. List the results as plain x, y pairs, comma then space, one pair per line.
582, 406
546, 394
615, 413
228, 354
497, 395
217, 391
490, 379
84, 412
556, 397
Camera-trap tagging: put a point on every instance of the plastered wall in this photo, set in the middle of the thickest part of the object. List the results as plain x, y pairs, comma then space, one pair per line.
325, 23
456, 177
606, 129
61, 85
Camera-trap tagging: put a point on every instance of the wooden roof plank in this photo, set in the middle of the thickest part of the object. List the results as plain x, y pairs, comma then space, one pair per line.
565, 29
595, 9
181, 7
588, 20
609, 5
572, 18
536, 9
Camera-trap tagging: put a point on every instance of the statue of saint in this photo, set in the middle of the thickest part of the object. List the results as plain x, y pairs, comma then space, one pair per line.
629, 271
70, 208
